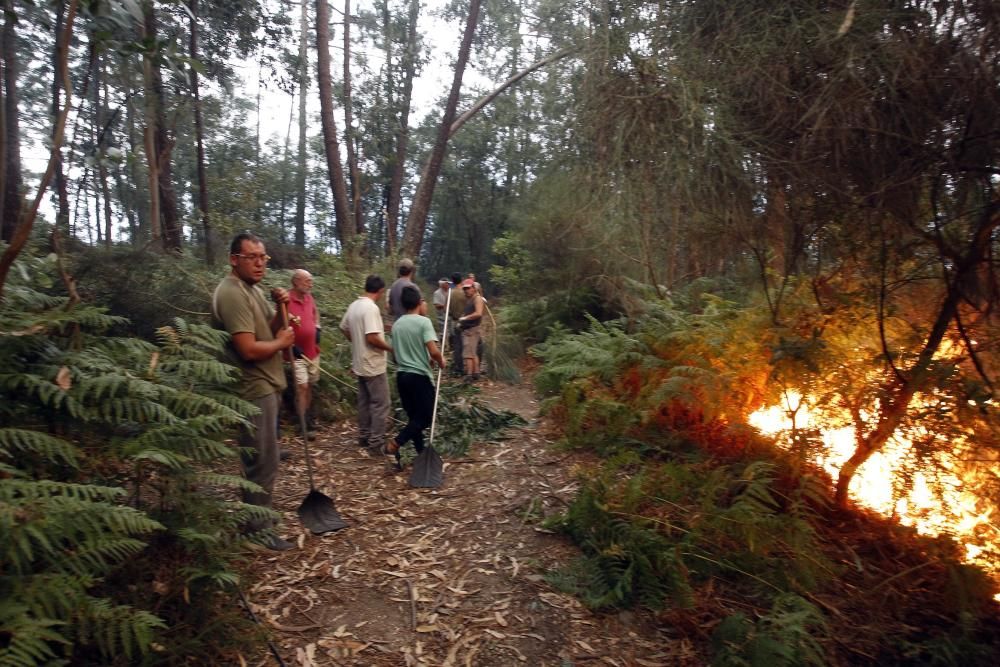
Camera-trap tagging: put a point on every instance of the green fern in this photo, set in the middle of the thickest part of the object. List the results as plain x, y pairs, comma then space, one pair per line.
791, 634
123, 413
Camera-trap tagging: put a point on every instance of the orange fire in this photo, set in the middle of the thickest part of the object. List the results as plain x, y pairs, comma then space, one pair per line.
934, 504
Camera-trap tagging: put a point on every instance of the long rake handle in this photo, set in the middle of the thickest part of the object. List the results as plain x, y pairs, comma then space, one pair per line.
437, 385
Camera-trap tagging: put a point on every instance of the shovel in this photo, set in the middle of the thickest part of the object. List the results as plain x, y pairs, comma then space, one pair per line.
317, 512
428, 468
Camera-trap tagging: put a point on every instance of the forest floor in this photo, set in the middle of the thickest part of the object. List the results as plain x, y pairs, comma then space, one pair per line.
447, 576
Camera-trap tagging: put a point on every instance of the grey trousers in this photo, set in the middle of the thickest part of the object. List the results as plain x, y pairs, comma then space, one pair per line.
261, 465
373, 409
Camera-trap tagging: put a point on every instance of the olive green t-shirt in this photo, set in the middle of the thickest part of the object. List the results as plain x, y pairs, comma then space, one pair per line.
240, 308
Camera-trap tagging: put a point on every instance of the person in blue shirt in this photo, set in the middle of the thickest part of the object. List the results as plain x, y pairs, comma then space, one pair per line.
414, 344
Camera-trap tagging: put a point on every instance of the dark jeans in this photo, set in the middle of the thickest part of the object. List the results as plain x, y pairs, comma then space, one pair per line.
416, 393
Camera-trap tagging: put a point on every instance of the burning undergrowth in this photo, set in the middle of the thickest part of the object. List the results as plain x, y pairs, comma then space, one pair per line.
733, 529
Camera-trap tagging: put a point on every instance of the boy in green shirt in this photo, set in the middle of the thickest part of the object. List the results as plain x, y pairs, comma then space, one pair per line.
414, 344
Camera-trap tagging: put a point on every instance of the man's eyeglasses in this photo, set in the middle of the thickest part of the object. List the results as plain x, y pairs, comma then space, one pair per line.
255, 258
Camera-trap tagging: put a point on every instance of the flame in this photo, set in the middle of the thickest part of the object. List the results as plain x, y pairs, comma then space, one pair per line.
936, 504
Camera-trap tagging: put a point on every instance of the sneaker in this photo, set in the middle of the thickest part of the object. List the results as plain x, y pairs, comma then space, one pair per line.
284, 455
311, 435
363, 443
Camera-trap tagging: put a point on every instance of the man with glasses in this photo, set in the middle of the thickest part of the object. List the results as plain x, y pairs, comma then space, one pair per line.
240, 307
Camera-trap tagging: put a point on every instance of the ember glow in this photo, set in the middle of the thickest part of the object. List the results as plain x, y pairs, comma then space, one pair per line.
935, 503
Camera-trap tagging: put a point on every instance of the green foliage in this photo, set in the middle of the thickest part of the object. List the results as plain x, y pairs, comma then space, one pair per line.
791, 633
463, 420
651, 533
102, 470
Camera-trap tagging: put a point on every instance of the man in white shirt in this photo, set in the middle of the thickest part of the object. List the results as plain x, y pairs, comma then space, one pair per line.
362, 325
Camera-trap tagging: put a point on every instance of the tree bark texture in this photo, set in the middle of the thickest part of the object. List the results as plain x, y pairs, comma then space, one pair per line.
402, 134
12, 181
331, 144
300, 181
349, 134
162, 143
199, 133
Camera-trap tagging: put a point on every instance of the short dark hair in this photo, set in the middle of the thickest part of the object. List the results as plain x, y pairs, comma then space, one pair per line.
374, 283
410, 297
236, 247
456, 277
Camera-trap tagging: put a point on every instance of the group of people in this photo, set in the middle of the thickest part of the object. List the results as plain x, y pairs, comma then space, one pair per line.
460, 306
262, 336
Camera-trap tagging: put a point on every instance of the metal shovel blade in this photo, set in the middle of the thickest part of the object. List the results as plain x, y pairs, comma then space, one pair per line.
428, 470
318, 514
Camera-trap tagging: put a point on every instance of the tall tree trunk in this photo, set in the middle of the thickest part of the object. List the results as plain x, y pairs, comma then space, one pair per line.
300, 185
62, 192
136, 205
416, 222
100, 112
149, 144
409, 73
12, 182
162, 143
341, 205
199, 133
349, 134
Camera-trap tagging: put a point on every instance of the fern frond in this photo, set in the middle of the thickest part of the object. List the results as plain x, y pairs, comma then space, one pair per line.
225, 481
25, 441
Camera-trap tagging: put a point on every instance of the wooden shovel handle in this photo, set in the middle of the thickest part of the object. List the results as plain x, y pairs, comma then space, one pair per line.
287, 352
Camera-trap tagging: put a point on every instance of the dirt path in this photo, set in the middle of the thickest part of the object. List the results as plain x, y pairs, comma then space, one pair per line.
450, 576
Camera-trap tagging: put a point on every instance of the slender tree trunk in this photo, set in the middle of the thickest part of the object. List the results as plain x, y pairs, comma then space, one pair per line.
300, 189
199, 133
100, 113
904, 386
409, 72
135, 203
341, 205
149, 143
12, 183
62, 193
416, 222
286, 158
162, 143
349, 134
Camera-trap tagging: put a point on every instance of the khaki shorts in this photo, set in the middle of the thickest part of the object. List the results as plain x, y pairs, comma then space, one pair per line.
307, 371
470, 341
